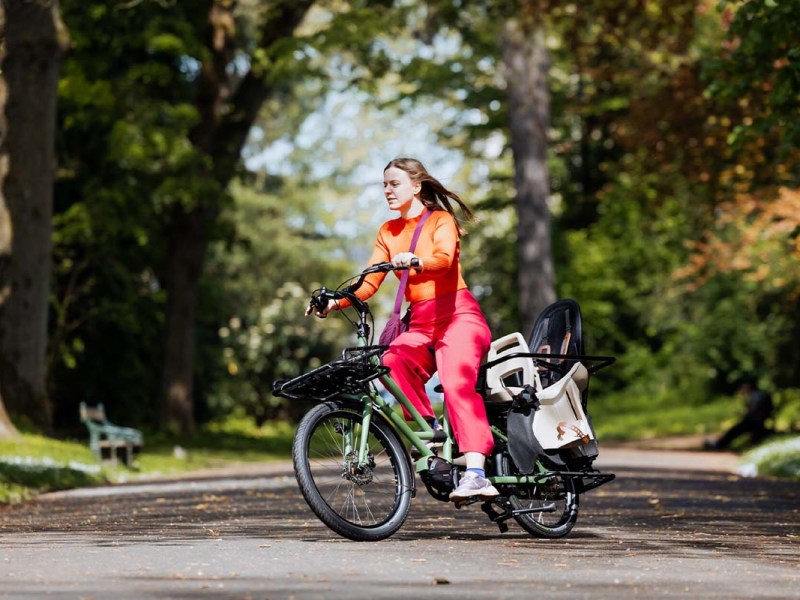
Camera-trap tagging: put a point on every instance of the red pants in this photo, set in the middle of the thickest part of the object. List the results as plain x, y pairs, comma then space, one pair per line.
448, 334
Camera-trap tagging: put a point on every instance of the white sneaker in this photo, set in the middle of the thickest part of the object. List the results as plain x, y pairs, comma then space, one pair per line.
472, 484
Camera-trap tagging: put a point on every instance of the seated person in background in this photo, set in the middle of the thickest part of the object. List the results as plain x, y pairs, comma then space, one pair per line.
759, 407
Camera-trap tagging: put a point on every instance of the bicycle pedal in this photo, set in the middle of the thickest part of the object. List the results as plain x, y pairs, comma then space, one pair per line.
466, 501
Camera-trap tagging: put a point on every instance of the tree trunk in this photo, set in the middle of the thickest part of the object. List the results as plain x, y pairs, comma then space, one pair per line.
186, 250
225, 120
7, 429
526, 63
34, 37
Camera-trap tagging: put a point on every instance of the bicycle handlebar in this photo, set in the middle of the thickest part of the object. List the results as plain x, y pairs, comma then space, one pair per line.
320, 298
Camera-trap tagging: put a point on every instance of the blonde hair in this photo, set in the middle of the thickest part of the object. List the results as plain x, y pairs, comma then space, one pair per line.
433, 194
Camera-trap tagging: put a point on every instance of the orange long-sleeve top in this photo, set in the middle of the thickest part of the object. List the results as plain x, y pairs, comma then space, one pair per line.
437, 247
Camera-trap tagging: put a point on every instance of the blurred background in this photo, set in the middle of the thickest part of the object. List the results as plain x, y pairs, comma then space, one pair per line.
178, 175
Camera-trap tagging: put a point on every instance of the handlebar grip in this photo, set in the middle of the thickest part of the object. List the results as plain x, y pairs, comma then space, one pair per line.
415, 262
320, 302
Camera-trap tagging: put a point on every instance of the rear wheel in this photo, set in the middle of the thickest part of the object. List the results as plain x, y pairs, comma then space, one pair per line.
361, 502
556, 497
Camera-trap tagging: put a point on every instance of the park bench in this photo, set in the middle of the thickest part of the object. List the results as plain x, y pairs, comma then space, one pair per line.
108, 439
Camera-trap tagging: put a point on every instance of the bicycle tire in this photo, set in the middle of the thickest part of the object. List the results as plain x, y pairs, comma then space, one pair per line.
362, 505
557, 490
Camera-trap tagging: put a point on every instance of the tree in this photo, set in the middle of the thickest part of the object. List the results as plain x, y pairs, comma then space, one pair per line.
490, 61
526, 64
757, 69
227, 113
7, 428
123, 116
685, 185
743, 274
34, 39
159, 101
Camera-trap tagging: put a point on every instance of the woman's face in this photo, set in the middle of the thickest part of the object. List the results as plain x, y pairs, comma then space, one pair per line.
398, 188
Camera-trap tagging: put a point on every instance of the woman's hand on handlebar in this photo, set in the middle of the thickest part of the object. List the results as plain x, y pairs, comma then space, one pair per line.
332, 305
407, 260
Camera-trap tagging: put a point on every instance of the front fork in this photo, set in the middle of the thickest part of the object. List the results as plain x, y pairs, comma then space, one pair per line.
355, 452
366, 420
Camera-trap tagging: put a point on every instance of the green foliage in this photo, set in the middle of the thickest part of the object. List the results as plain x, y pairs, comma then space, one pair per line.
633, 415
629, 304
129, 163
125, 109
787, 409
689, 337
279, 250
17, 479
280, 342
758, 69
490, 266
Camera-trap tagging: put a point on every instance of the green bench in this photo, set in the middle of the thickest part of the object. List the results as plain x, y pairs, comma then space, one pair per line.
109, 440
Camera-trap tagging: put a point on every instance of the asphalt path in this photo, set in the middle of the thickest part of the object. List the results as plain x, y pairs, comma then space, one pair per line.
674, 524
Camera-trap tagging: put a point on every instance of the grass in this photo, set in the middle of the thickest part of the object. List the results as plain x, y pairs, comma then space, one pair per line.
628, 417
34, 464
234, 440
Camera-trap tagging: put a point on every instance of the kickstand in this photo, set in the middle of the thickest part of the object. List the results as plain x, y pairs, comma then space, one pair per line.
496, 517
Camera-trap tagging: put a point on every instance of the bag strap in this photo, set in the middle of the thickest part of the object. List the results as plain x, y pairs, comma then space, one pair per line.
401, 290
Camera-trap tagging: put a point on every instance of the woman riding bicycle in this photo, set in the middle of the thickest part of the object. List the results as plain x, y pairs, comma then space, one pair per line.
447, 331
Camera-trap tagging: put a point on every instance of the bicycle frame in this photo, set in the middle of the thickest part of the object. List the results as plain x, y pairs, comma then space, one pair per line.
425, 433
372, 400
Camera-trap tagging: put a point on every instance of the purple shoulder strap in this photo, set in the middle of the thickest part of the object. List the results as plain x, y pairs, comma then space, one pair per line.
401, 290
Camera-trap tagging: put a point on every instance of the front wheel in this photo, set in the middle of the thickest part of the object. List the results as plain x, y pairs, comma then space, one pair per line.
362, 502
556, 496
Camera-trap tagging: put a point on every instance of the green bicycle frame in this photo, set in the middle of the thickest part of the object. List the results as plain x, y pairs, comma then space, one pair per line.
418, 437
